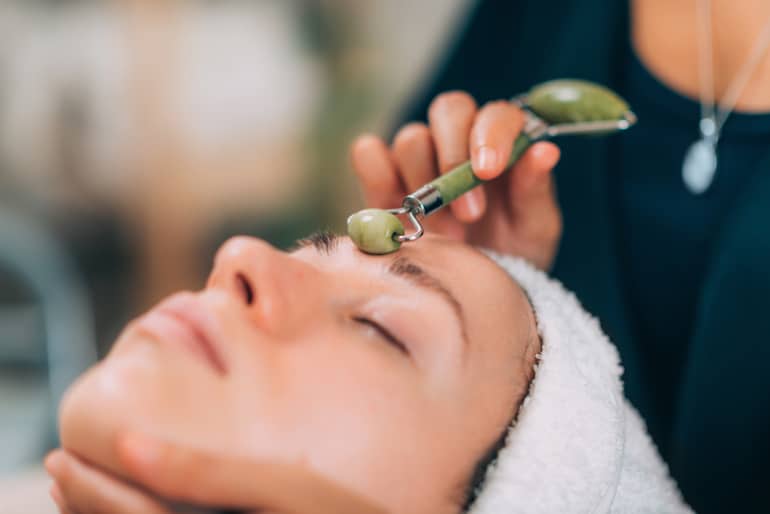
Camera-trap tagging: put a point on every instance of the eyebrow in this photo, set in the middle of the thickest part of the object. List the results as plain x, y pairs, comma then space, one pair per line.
326, 242
408, 269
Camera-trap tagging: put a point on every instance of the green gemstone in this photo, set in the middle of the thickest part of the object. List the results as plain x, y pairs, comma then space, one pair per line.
374, 230
571, 101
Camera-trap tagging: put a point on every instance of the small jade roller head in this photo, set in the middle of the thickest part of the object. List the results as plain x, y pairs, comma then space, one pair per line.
375, 231
575, 101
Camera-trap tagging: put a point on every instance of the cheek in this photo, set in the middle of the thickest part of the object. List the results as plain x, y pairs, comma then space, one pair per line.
359, 415
355, 411
147, 390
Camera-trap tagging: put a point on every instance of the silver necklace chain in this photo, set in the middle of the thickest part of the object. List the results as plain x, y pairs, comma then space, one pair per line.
700, 162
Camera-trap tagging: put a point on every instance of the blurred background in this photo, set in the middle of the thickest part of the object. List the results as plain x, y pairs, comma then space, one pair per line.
137, 135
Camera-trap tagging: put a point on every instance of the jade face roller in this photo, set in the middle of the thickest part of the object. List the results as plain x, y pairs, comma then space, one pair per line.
554, 108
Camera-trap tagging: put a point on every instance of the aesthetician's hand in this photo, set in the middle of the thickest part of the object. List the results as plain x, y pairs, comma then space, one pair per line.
80, 488
517, 213
187, 476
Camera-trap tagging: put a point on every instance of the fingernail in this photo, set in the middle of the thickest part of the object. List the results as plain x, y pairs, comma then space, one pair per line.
53, 463
140, 448
486, 159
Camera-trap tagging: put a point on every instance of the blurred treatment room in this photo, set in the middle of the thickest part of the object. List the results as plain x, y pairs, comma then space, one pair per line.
228, 282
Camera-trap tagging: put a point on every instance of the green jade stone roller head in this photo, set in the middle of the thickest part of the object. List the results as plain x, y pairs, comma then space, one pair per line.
554, 108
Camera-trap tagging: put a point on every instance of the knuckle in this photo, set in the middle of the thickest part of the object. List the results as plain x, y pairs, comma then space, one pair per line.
451, 101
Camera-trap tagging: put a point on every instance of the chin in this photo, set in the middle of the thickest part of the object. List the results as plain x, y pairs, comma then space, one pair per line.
87, 424
105, 400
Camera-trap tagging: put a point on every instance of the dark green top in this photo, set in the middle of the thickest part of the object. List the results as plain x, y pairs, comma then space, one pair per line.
666, 235
705, 386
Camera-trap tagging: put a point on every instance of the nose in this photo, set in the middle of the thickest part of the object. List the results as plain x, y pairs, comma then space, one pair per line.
277, 291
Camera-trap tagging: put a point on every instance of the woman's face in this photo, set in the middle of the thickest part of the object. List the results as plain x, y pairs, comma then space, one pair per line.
389, 374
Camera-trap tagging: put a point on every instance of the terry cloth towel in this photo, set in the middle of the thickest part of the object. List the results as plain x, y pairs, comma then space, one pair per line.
577, 445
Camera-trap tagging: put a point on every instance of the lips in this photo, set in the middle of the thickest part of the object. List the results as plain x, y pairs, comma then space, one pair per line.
183, 320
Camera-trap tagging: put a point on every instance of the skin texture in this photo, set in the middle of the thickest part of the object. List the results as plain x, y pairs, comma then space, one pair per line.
300, 379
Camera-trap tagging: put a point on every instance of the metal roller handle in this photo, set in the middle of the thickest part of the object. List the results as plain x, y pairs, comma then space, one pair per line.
448, 187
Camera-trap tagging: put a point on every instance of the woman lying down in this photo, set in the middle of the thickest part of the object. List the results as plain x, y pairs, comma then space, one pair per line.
434, 380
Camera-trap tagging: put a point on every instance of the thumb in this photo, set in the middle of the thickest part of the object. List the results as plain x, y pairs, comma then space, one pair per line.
197, 477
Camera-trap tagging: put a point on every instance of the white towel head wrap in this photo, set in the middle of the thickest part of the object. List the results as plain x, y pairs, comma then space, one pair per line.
576, 445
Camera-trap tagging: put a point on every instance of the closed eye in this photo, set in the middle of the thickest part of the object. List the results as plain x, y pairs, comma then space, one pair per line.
383, 332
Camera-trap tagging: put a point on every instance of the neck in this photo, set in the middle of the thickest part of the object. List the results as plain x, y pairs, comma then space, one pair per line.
665, 37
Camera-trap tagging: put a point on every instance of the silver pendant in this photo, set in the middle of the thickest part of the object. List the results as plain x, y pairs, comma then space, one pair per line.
700, 166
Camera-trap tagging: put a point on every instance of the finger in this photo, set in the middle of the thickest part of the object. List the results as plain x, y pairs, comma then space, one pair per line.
415, 155
188, 475
51, 462
65, 509
86, 490
451, 117
376, 172
531, 181
535, 214
496, 127
58, 498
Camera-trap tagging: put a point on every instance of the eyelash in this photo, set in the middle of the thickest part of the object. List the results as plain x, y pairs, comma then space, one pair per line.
383, 332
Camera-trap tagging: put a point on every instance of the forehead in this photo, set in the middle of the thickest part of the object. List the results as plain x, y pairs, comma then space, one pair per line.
491, 301
457, 264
